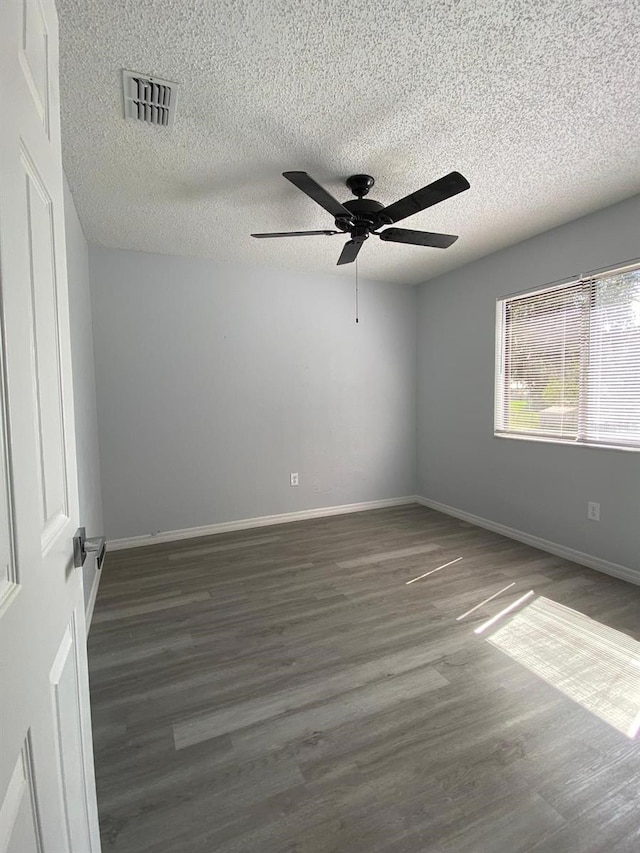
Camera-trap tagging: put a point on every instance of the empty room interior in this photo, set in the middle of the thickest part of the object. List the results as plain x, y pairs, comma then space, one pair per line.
352, 526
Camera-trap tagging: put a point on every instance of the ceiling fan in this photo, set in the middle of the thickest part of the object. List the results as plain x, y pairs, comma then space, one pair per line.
359, 217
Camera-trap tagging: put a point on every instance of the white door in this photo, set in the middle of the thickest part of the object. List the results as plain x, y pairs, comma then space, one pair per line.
47, 789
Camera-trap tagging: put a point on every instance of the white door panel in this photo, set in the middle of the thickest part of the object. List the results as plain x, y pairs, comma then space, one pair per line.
7, 545
72, 762
47, 789
47, 391
20, 830
33, 56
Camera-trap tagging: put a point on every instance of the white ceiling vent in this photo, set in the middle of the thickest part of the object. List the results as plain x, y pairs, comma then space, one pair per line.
149, 99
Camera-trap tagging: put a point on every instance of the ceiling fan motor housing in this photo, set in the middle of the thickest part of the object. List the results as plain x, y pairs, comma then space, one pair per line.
365, 211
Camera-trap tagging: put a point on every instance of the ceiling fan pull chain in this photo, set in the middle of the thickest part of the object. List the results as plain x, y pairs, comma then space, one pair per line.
357, 309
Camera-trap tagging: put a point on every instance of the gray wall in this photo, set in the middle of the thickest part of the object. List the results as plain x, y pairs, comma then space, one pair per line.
216, 381
84, 386
541, 489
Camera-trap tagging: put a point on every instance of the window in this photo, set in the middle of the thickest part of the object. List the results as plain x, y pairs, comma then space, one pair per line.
568, 361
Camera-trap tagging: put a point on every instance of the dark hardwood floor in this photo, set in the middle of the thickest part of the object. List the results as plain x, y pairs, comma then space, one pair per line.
284, 689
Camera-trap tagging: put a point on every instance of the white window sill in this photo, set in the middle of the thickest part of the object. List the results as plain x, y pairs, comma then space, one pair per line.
565, 442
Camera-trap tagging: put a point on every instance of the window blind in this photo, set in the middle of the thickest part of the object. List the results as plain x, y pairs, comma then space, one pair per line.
568, 361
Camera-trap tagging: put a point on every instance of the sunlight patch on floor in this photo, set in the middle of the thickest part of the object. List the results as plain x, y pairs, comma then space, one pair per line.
433, 571
596, 666
484, 601
508, 609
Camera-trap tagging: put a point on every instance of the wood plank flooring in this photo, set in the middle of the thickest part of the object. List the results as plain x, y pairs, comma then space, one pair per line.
284, 690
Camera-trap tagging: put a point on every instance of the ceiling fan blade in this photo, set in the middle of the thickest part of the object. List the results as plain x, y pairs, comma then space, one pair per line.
418, 238
313, 189
296, 233
438, 191
350, 252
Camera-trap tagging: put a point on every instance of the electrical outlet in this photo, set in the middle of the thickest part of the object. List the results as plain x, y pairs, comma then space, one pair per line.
593, 511
293, 480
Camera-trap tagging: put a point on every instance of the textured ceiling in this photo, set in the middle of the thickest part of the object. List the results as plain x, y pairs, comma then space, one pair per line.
536, 103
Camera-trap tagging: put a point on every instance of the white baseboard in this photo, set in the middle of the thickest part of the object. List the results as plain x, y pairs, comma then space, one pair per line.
259, 521
92, 600
587, 560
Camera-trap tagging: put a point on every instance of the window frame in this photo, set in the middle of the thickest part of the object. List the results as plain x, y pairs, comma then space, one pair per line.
500, 372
